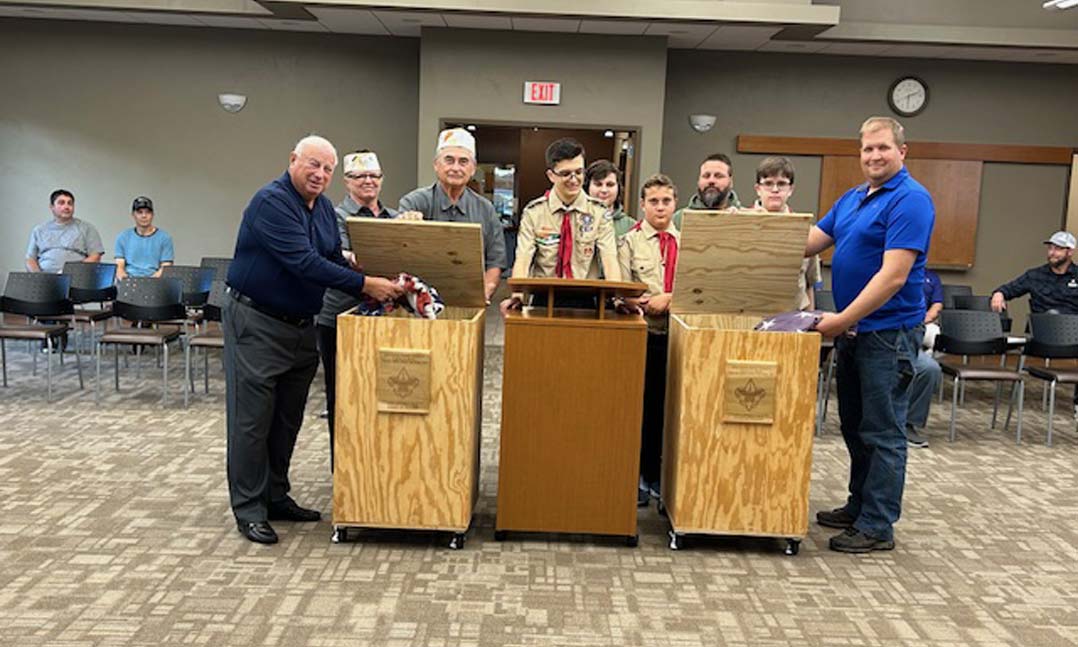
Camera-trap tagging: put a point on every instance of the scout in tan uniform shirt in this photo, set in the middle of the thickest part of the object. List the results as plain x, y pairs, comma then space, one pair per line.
774, 186
565, 233
648, 254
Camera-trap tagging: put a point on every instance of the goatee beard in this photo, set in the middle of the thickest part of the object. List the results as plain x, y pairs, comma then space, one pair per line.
713, 198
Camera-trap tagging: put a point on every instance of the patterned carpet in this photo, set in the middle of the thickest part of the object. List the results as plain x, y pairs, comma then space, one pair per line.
115, 530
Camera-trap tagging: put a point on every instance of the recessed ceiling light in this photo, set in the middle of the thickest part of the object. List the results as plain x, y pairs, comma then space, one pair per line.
608, 133
470, 127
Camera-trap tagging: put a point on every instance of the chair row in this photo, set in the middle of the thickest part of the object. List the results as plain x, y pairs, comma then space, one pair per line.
158, 312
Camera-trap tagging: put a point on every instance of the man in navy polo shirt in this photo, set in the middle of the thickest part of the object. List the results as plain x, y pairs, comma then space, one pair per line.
880, 230
287, 252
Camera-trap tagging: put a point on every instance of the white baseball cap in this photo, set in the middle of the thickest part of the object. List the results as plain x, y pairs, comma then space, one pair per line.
361, 163
456, 138
1062, 239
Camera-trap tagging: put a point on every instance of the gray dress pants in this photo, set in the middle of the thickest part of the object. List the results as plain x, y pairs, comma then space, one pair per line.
269, 366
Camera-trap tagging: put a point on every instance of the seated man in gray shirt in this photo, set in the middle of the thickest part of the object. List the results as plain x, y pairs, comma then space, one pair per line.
62, 239
450, 200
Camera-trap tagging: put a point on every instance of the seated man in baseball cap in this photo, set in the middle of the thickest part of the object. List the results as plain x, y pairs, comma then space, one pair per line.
144, 249
1052, 287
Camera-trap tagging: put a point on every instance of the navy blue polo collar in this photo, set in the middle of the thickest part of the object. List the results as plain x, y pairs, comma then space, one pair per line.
286, 180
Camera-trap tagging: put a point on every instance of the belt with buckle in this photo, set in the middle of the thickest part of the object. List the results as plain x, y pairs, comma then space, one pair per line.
299, 322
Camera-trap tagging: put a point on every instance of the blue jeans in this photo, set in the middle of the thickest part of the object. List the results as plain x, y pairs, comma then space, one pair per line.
874, 371
926, 380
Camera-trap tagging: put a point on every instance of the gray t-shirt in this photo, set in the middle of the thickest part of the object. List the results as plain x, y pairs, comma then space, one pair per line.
52, 244
434, 204
334, 302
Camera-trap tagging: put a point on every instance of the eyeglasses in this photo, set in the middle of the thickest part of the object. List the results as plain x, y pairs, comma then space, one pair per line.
775, 186
364, 176
569, 172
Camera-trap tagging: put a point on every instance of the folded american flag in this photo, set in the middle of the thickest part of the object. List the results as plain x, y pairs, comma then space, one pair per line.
794, 321
420, 299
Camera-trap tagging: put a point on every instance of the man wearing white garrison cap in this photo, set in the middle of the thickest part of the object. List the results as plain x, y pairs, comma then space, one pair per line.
363, 181
450, 200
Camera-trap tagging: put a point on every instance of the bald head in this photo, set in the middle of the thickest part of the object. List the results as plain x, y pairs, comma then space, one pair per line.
311, 166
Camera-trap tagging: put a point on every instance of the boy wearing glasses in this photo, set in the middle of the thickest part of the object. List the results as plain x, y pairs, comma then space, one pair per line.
565, 233
774, 186
363, 181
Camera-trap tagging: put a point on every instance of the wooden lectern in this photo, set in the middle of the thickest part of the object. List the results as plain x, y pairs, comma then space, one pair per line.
740, 404
572, 403
409, 390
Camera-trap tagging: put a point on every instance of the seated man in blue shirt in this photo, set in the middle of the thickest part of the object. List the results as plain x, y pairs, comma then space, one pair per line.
926, 370
144, 249
881, 231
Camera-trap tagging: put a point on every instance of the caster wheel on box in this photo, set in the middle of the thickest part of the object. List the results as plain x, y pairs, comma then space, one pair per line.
340, 535
457, 542
500, 535
677, 541
793, 546
632, 541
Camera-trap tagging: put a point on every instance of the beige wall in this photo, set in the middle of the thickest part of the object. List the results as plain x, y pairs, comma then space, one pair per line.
826, 96
113, 111
607, 81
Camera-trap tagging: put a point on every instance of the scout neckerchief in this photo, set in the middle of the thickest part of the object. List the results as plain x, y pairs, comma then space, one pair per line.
668, 251
565, 246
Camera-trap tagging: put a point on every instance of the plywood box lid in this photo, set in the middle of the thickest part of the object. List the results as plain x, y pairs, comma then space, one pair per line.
744, 262
447, 255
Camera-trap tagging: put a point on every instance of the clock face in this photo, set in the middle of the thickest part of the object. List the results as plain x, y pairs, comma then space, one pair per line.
908, 96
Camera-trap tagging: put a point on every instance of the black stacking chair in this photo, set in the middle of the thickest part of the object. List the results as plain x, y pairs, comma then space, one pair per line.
36, 296
982, 303
143, 300
210, 338
1054, 337
220, 266
825, 300
950, 291
197, 282
90, 283
969, 333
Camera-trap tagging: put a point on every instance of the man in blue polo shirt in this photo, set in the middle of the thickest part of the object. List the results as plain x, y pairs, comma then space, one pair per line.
880, 230
288, 252
144, 249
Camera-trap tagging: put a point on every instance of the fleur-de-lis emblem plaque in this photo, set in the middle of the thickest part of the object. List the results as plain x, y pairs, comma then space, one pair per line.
750, 395
749, 392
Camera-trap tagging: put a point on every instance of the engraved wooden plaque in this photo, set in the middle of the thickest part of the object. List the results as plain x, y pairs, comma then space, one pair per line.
403, 381
749, 396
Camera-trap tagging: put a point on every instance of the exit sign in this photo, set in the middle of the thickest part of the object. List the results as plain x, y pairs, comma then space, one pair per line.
547, 93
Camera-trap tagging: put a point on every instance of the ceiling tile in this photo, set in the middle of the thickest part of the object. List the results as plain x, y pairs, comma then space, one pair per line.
625, 27
349, 21
231, 22
477, 21
409, 23
559, 25
293, 25
790, 46
162, 18
857, 49
739, 37
681, 35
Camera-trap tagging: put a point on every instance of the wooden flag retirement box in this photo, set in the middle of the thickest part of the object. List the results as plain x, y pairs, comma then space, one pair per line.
740, 404
409, 390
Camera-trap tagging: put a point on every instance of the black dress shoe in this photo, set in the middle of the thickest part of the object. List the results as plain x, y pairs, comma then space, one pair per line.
259, 532
290, 511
